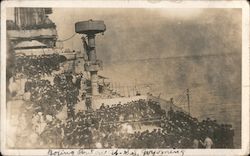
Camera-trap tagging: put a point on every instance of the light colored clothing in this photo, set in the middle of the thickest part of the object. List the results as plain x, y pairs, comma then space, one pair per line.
208, 143
98, 145
195, 143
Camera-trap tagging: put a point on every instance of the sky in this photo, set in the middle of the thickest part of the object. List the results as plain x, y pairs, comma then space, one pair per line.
155, 33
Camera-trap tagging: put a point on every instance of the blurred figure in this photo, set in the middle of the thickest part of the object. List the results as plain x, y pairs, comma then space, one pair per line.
208, 143
195, 144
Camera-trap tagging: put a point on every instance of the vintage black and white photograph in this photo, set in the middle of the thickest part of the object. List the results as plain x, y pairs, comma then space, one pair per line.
123, 78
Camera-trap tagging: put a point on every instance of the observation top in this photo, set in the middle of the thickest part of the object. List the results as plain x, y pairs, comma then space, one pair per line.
90, 27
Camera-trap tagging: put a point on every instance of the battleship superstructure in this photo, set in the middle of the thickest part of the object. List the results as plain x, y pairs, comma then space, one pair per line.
32, 24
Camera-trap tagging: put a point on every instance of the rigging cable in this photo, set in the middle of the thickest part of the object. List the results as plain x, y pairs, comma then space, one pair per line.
67, 38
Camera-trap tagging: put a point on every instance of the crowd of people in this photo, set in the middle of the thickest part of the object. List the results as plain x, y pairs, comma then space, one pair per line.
30, 66
45, 97
50, 99
134, 110
119, 126
220, 135
103, 128
69, 84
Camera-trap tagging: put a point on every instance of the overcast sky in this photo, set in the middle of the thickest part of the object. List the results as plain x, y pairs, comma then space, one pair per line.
154, 33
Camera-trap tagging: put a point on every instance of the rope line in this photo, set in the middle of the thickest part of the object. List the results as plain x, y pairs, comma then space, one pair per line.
67, 38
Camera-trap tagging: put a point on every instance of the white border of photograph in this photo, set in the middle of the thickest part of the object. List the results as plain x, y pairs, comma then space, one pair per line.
133, 4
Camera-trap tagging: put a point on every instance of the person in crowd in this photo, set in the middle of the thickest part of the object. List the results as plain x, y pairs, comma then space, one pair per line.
195, 144
88, 103
102, 107
208, 143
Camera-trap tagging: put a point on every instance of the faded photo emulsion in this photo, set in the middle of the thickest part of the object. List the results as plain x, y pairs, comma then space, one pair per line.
123, 78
